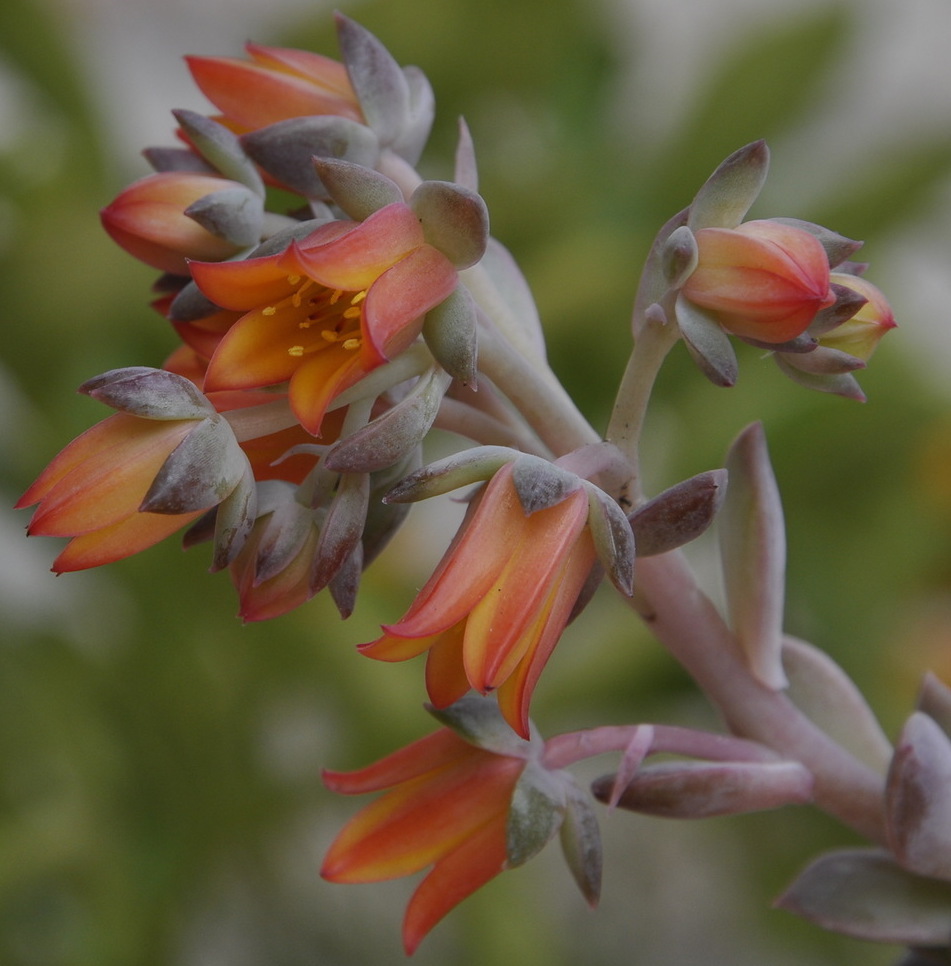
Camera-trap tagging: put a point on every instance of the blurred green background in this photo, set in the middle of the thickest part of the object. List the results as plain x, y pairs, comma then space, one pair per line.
160, 801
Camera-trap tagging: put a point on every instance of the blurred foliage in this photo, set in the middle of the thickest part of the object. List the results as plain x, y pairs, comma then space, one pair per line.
160, 799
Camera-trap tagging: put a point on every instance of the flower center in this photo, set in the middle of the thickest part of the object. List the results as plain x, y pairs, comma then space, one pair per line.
324, 317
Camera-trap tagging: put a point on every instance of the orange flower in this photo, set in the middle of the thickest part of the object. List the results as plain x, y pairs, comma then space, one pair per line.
763, 280
446, 805
493, 611
148, 220
276, 84
326, 311
93, 489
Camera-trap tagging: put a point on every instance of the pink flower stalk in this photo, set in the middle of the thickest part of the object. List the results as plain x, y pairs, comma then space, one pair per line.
446, 805
763, 281
493, 611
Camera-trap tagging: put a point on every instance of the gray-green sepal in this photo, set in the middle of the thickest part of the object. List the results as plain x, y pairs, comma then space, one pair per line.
461, 469
388, 438
286, 149
679, 514
729, 193
149, 393
221, 148
454, 219
450, 332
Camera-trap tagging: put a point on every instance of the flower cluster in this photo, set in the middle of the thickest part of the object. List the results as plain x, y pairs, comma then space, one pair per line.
323, 340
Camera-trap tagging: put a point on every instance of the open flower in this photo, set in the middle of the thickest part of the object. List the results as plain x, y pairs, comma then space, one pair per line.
491, 614
148, 220
446, 804
327, 310
764, 280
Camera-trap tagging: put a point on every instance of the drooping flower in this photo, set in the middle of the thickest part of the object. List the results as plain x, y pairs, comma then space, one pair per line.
763, 280
141, 474
446, 804
148, 220
327, 310
495, 607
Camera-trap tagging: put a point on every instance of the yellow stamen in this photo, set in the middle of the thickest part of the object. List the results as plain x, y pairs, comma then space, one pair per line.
329, 335
293, 279
269, 310
296, 350
358, 298
351, 343
353, 313
335, 297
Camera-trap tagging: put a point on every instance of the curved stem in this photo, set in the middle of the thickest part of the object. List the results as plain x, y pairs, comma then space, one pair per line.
457, 417
564, 750
686, 622
535, 391
655, 339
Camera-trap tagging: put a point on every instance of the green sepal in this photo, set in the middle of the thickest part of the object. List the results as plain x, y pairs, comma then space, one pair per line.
581, 842
729, 193
220, 148
536, 813
149, 393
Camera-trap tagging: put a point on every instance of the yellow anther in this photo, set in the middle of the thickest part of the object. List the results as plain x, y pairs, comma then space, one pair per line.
335, 296
293, 279
329, 335
358, 298
351, 344
352, 313
296, 350
269, 310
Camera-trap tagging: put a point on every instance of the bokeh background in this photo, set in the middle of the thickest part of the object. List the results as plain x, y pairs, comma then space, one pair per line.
160, 801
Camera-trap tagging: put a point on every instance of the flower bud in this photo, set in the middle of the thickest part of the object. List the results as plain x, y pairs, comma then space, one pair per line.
763, 280
148, 220
859, 335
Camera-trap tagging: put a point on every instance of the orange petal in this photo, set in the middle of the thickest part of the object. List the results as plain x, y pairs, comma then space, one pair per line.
472, 564
400, 298
255, 96
455, 877
354, 260
323, 71
427, 754
110, 483
240, 286
514, 694
423, 819
446, 680
318, 380
495, 638
254, 352
137, 532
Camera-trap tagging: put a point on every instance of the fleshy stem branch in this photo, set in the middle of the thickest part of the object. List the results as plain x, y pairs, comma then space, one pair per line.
655, 339
536, 392
686, 622
566, 749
